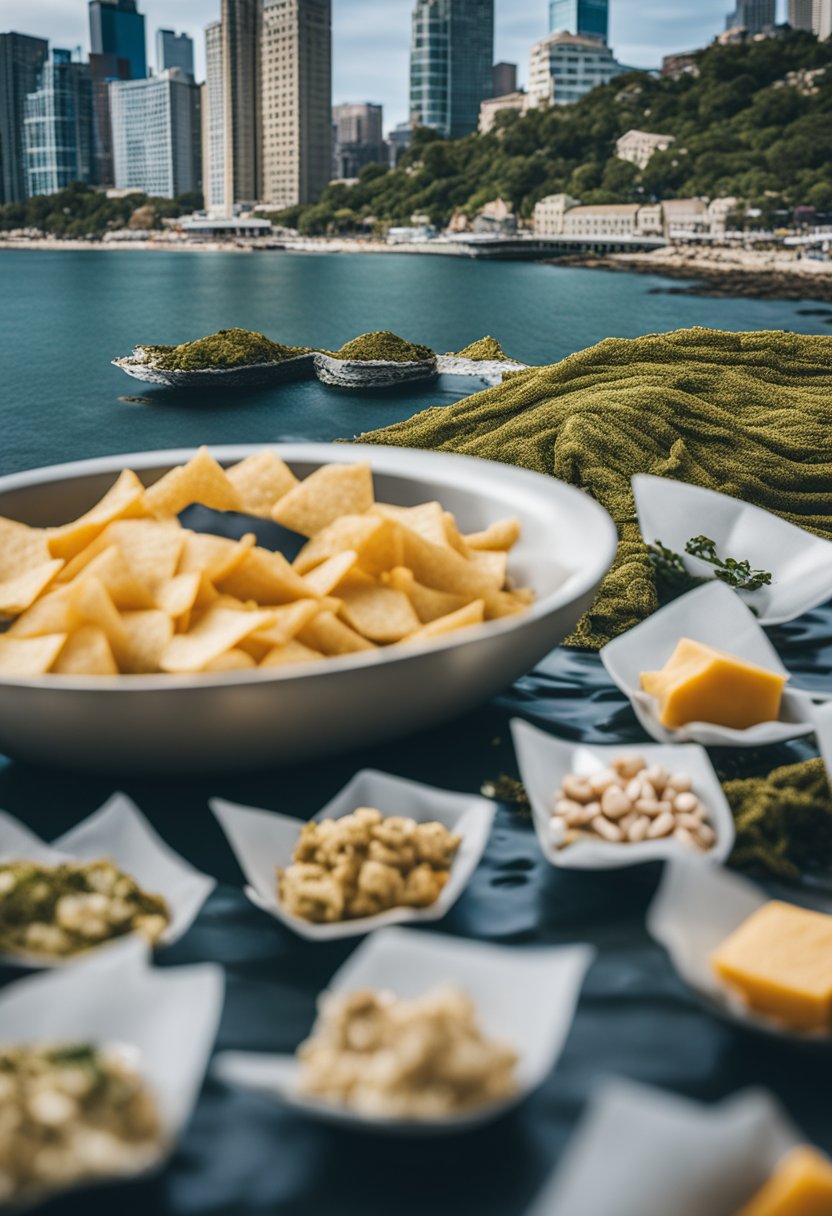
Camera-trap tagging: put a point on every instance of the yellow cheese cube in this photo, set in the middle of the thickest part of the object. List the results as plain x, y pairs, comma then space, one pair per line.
699, 683
800, 1186
780, 961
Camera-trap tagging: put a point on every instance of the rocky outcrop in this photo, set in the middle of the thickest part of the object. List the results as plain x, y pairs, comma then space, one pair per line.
372, 373
250, 375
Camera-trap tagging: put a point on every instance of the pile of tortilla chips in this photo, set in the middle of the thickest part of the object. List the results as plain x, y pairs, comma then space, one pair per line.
127, 589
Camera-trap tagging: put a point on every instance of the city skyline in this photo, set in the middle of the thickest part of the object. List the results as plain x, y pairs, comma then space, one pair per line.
378, 32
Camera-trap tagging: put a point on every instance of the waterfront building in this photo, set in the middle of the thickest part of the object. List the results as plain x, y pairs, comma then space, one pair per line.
117, 28
296, 90
638, 146
174, 51
503, 79
586, 17
156, 134
104, 68
517, 103
451, 60
213, 122
359, 138
800, 14
21, 61
563, 68
753, 16
674, 219
58, 126
398, 142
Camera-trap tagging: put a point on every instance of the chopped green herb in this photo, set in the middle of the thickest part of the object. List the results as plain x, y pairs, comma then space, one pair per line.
737, 574
784, 820
670, 568
510, 790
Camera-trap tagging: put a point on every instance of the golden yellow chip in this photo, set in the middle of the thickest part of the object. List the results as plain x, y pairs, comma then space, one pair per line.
444, 569
21, 548
91, 604
493, 563
51, 614
427, 519
86, 653
220, 629
332, 490
292, 652
286, 622
453, 535
331, 636
329, 574
232, 660
265, 577
201, 480
148, 634
471, 614
216, 556
502, 603
125, 590
428, 604
381, 614
122, 501
20, 591
500, 535
29, 656
260, 480
178, 596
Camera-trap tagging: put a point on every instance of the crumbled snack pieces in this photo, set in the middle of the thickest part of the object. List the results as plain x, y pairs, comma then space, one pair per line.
425, 1058
61, 910
69, 1114
363, 864
628, 803
127, 590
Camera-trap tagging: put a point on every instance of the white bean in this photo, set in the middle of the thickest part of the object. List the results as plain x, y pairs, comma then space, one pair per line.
606, 829
647, 806
686, 838
662, 825
706, 836
628, 765
689, 821
680, 782
615, 803
579, 815
638, 830
686, 802
577, 788
599, 782
657, 776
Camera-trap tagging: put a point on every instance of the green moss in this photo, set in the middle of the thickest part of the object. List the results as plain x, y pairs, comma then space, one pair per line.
784, 820
486, 348
227, 348
382, 345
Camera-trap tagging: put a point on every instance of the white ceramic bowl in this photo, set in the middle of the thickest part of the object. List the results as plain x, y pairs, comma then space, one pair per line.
181, 724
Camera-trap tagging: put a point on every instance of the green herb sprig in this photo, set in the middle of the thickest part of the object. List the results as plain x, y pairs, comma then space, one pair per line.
670, 567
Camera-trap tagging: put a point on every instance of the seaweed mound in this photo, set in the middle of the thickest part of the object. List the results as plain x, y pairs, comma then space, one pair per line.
382, 346
487, 349
227, 348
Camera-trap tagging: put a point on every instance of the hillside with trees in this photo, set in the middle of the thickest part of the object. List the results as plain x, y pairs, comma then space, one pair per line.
81, 211
741, 129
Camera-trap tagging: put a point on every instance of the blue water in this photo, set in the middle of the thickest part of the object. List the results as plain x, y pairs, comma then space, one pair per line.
64, 315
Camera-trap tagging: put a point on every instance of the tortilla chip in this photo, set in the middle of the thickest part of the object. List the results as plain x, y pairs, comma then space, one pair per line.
331, 573
286, 622
125, 590
292, 652
29, 656
220, 629
86, 653
502, 603
331, 491
148, 633
493, 563
232, 660
427, 519
215, 555
500, 535
265, 577
331, 636
259, 481
122, 501
51, 614
20, 591
178, 596
200, 480
471, 614
442, 568
381, 614
428, 604
21, 548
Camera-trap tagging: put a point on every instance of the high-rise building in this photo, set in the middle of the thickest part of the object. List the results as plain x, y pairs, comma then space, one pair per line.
240, 31
21, 61
800, 14
174, 51
296, 100
451, 57
104, 69
58, 126
213, 122
754, 16
157, 146
359, 138
822, 18
563, 68
589, 18
117, 28
398, 142
503, 79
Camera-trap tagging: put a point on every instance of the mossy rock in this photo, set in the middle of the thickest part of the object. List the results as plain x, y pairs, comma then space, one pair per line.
225, 349
382, 346
487, 349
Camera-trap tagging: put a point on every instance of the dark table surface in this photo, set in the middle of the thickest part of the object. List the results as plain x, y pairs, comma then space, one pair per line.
244, 1155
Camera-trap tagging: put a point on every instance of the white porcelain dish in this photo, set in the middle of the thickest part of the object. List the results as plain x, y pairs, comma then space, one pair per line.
664, 1154
181, 724
524, 996
545, 760
120, 833
165, 1018
715, 615
800, 563
264, 840
695, 909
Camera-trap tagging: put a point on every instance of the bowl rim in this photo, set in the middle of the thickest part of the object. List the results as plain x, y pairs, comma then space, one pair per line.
468, 472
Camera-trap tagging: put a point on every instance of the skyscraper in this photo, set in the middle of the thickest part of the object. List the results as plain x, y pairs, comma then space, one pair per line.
752, 15
21, 61
156, 134
451, 56
174, 51
563, 68
588, 18
117, 28
213, 121
58, 126
822, 18
103, 69
800, 14
240, 30
359, 138
503, 79
296, 100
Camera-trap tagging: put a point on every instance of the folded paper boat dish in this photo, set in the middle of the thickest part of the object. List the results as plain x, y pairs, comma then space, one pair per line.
372, 373
743, 413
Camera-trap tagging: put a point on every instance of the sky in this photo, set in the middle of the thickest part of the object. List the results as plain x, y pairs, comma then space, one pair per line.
370, 38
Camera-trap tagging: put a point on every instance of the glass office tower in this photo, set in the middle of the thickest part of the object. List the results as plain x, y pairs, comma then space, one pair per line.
21, 61
117, 28
59, 126
174, 51
589, 18
451, 57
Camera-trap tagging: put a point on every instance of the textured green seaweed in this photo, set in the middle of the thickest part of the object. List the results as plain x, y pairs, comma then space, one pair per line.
227, 348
